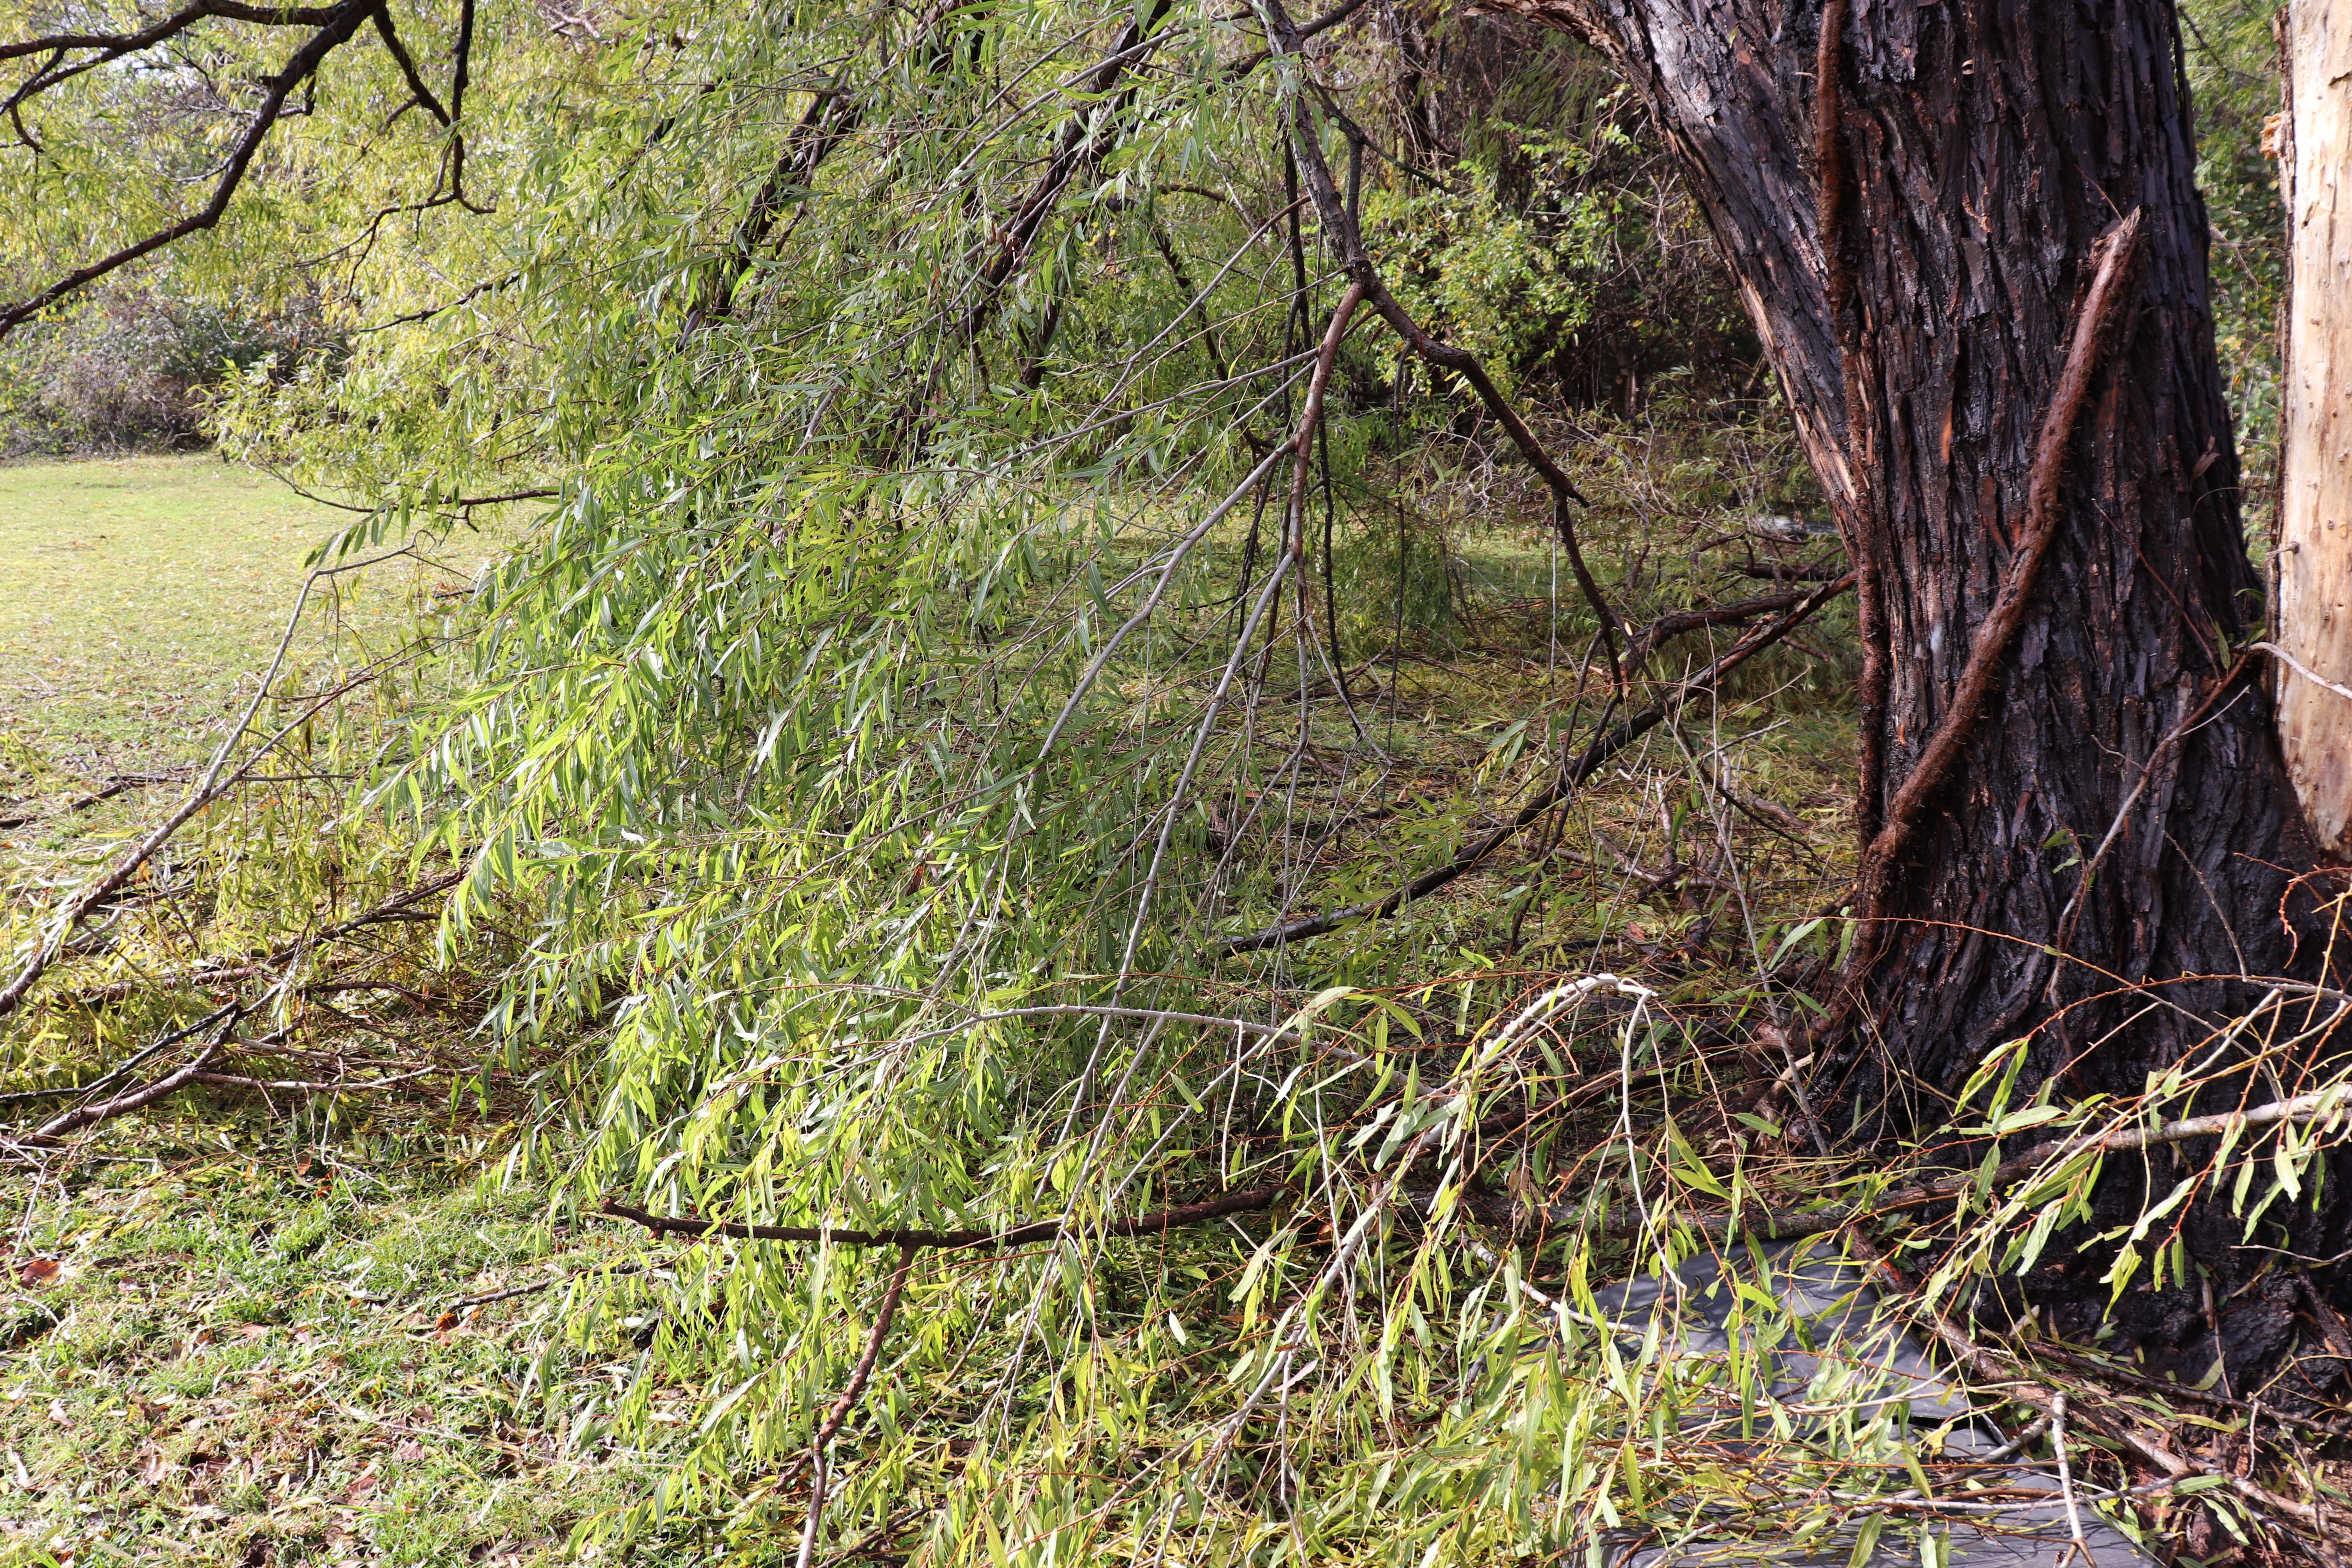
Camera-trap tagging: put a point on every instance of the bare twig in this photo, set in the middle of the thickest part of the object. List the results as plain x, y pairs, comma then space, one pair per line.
1603, 747
848, 1400
2303, 669
2066, 1478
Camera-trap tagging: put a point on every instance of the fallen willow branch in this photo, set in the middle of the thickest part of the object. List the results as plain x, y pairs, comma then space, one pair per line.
1249, 1201
400, 906
609, 1270
2020, 1386
1602, 748
106, 1079
129, 1100
2323, 1105
396, 908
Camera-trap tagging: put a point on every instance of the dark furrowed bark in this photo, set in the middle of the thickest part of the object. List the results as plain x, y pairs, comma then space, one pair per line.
1975, 151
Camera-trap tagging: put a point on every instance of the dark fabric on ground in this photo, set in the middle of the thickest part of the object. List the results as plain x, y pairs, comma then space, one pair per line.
1862, 1358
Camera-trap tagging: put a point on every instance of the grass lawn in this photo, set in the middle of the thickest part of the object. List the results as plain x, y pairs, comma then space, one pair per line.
230, 1332
145, 596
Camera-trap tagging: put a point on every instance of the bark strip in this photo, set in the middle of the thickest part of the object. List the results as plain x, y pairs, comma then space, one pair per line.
1830, 156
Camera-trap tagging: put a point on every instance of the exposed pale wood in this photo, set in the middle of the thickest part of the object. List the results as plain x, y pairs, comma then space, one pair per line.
2315, 570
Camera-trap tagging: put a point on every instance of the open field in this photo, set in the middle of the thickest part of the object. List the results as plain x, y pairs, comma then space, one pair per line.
237, 1333
145, 595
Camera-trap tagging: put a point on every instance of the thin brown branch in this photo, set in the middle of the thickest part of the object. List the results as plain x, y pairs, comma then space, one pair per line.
305, 1085
1302, 471
610, 1271
1598, 752
1997, 632
116, 44
1340, 225
428, 313
848, 1400
2019, 1385
398, 908
1803, 571
129, 1100
830, 119
1249, 1201
1667, 627
335, 31
103, 1080
421, 93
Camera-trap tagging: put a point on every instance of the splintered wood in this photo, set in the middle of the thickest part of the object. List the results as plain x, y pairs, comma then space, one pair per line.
2315, 568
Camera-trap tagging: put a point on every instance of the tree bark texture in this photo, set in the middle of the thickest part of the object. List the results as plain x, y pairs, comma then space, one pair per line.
2315, 542
1917, 245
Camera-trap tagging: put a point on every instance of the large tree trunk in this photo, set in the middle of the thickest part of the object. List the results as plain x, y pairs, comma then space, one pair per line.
1976, 154
2314, 567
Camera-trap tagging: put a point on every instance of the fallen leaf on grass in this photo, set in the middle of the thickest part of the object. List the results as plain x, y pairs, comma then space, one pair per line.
38, 1271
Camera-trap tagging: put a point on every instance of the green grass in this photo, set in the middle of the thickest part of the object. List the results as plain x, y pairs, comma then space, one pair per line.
231, 1328
251, 1355
145, 596
142, 588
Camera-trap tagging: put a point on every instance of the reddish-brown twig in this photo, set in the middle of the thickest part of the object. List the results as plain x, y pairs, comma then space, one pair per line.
1999, 630
848, 1400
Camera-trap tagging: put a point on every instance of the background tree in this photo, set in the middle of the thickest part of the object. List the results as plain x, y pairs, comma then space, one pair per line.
2315, 532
